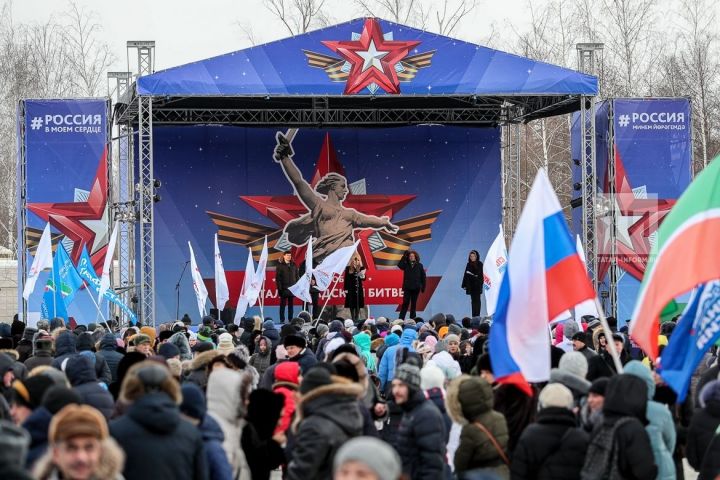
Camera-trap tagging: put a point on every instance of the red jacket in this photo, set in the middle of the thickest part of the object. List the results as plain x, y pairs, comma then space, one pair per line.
286, 384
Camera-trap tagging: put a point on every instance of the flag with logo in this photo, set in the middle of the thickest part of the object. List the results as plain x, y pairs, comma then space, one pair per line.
87, 272
544, 277
257, 279
247, 286
332, 265
697, 330
301, 289
493, 271
43, 259
201, 293
685, 255
222, 294
61, 287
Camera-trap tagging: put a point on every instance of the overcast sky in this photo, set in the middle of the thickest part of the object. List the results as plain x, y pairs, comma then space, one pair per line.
189, 30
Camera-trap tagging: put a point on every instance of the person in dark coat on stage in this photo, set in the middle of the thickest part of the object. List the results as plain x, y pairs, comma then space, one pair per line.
286, 275
472, 281
314, 292
413, 282
353, 286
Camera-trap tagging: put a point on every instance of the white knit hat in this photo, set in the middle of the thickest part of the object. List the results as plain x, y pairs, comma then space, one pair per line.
556, 395
225, 344
431, 376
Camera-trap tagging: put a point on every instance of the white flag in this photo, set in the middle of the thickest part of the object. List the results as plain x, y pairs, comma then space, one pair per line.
493, 271
107, 264
587, 307
43, 259
301, 289
244, 299
258, 277
198, 285
222, 294
333, 265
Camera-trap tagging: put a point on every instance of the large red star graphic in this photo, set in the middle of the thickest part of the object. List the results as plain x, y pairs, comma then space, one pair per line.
373, 58
637, 220
85, 223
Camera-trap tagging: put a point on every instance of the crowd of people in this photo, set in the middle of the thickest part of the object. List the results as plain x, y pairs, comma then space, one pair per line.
368, 399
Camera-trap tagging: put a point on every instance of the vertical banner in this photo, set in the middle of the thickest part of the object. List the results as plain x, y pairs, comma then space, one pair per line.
63, 169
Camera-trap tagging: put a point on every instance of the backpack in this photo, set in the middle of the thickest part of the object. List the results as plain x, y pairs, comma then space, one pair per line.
602, 454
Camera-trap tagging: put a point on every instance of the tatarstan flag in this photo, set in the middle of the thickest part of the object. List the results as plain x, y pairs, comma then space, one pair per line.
687, 253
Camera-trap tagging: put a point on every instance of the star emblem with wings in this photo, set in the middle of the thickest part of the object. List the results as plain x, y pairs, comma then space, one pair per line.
372, 60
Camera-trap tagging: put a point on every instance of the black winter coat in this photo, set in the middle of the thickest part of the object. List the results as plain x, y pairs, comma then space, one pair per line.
158, 443
64, 348
24, 349
108, 348
551, 449
472, 281
711, 463
353, 286
286, 275
413, 274
81, 373
420, 439
306, 359
702, 429
330, 416
41, 358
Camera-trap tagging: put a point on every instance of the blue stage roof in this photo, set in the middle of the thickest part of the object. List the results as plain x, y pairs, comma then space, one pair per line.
366, 57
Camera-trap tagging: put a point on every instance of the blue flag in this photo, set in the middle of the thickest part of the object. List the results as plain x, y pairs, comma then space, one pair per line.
61, 287
86, 270
697, 330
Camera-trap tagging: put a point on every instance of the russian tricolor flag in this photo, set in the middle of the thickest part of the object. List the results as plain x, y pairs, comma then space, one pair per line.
545, 276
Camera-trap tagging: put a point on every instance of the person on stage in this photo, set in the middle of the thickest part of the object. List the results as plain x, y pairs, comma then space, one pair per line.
286, 275
354, 293
413, 281
314, 292
472, 281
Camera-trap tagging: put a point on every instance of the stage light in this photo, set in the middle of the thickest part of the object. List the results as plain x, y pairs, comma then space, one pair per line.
157, 183
576, 202
576, 161
156, 198
577, 186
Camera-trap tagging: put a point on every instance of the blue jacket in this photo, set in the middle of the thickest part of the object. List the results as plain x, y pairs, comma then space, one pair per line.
386, 371
661, 428
213, 438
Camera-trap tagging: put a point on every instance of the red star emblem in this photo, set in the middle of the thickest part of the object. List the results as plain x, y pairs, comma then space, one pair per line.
85, 223
637, 220
373, 58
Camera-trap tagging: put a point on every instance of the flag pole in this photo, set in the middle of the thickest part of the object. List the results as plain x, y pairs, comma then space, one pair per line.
262, 300
610, 342
87, 289
334, 284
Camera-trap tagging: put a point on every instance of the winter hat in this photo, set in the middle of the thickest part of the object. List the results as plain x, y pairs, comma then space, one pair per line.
484, 328
409, 375
6, 343
58, 397
594, 323
438, 320
204, 334
373, 453
451, 338
208, 321
232, 328
581, 336
396, 329
43, 345
294, 341
84, 342
455, 329
710, 393
336, 326
570, 328
77, 420
431, 377
141, 339
168, 350
430, 342
381, 320
29, 392
349, 324
442, 332
29, 333
598, 386
193, 401
556, 395
322, 330
165, 335
200, 347
316, 377
574, 363
225, 344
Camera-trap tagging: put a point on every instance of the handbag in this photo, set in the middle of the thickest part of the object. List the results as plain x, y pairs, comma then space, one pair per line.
494, 441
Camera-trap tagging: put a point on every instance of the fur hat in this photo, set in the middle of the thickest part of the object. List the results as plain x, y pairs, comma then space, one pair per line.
556, 395
451, 338
373, 453
294, 340
431, 376
77, 420
598, 386
574, 363
148, 377
409, 375
225, 344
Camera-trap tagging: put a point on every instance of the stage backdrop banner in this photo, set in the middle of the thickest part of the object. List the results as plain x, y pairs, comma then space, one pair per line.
650, 140
432, 189
63, 165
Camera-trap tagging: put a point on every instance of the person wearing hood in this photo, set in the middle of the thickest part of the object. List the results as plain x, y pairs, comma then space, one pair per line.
261, 358
661, 428
180, 340
269, 331
484, 435
227, 395
80, 371
42, 355
247, 337
362, 341
390, 340
386, 370
108, 349
262, 448
445, 361
591, 412
571, 372
704, 424
84, 343
193, 409
552, 448
197, 372
153, 424
287, 382
432, 383
623, 433
65, 347
13, 446
25, 345
420, 438
296, 347
327, 416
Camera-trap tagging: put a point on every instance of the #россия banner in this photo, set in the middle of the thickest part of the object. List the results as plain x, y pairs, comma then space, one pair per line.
65, 182
651, 142
439, 185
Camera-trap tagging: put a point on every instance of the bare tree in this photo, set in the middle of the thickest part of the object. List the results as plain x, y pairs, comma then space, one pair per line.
442, 17
297, 16
407, 12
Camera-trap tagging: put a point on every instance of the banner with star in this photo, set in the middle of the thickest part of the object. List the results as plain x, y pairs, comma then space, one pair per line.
64, 182
433, 189
650, 142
